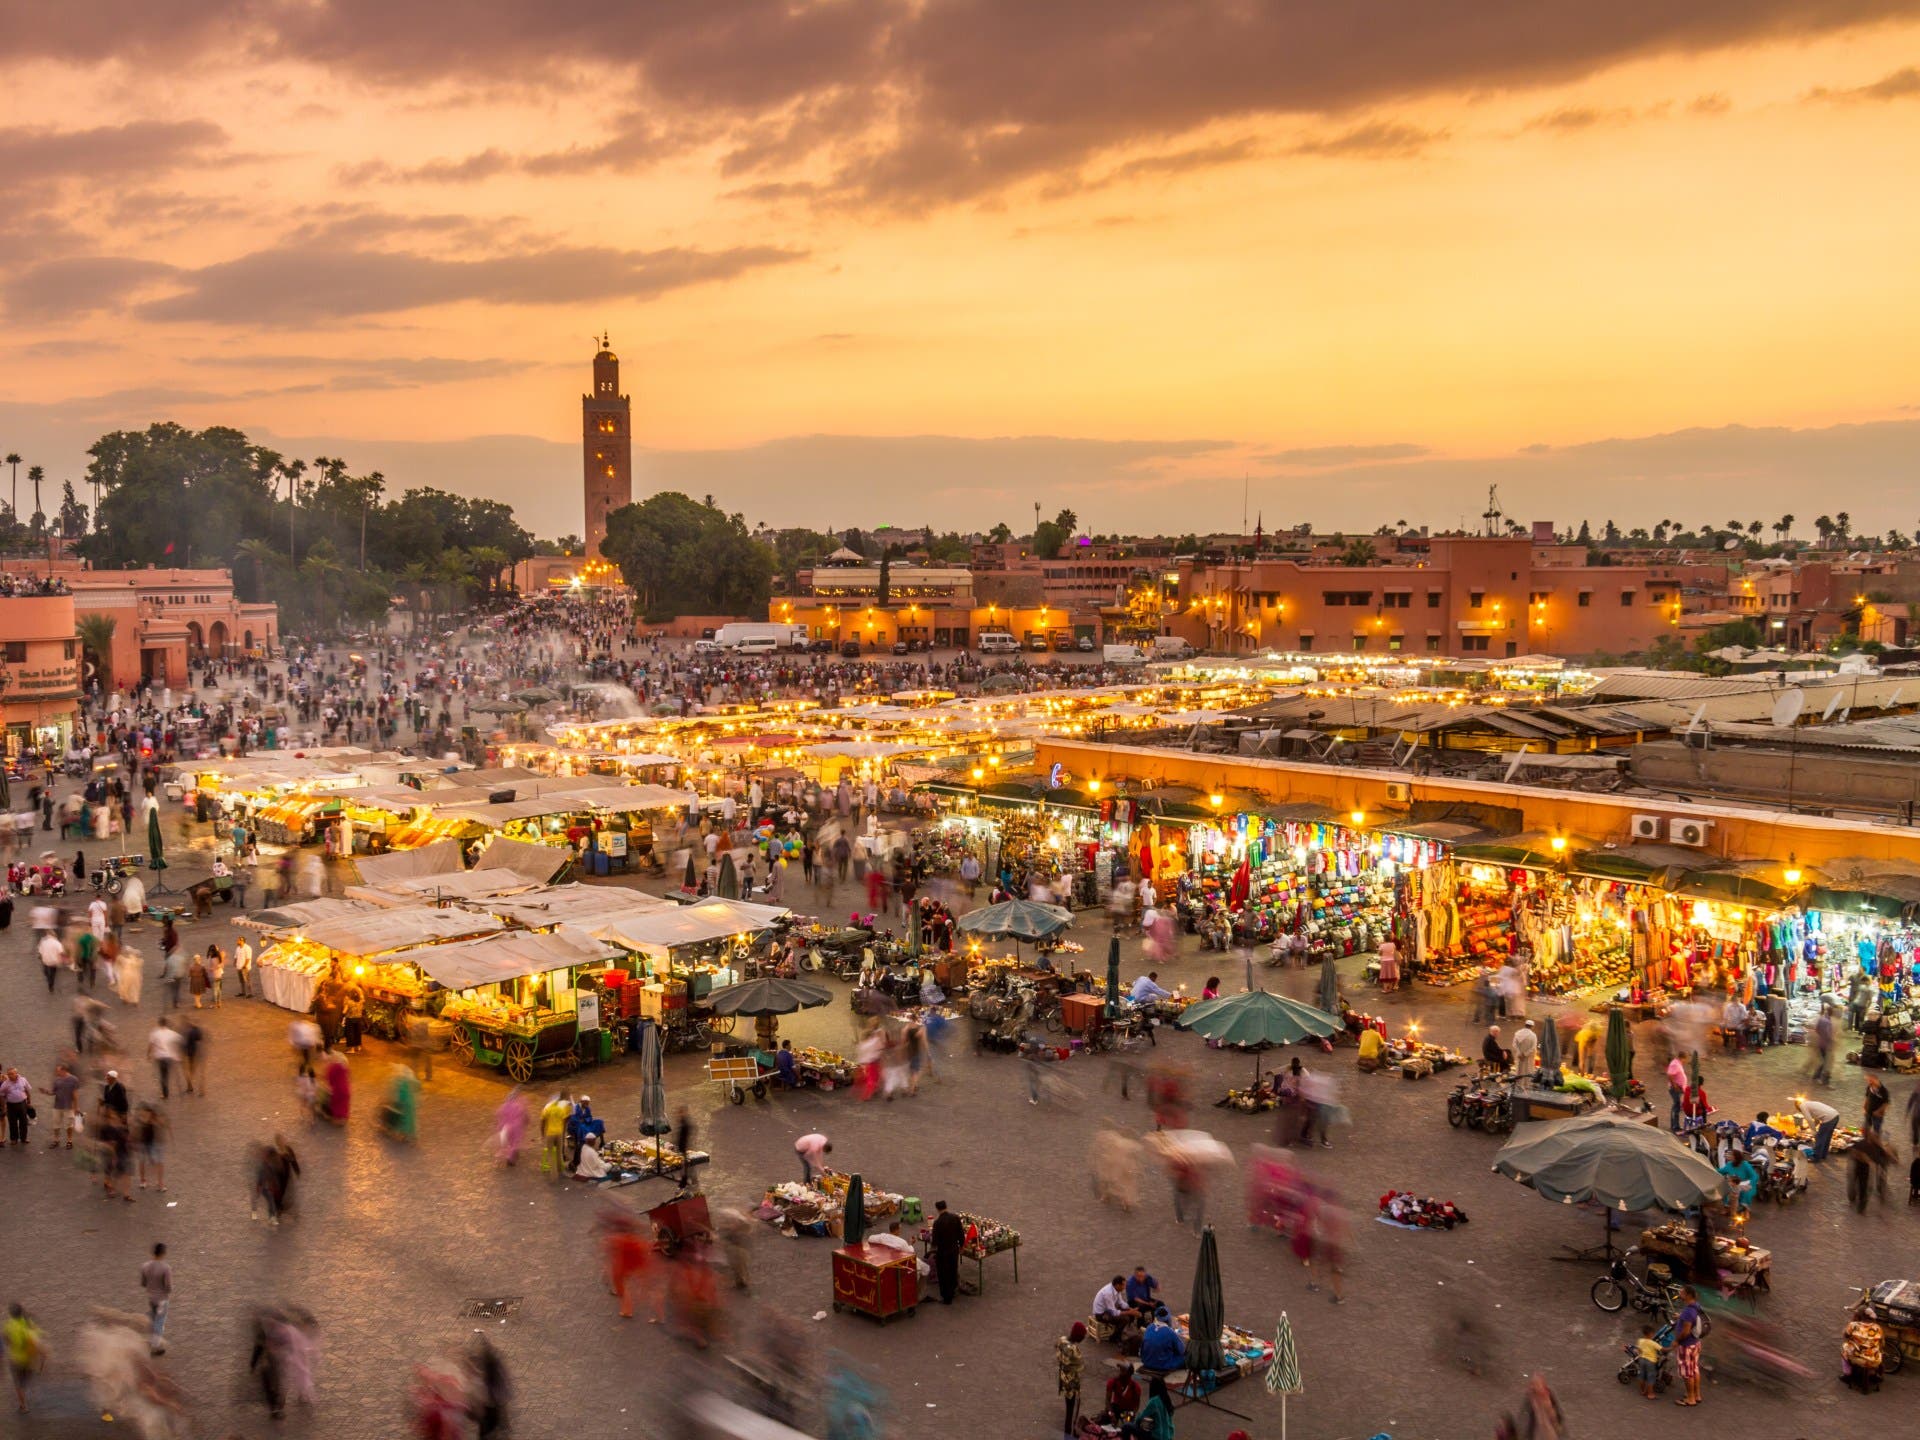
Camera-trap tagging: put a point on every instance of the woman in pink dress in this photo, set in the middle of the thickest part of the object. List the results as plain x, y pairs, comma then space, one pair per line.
339, 1083
1389, 965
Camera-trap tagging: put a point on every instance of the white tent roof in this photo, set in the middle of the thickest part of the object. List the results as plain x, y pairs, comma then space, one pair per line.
582, 905
670, 928
289, 918
440, 858
401, 929
507, 957
537, 864
461, 885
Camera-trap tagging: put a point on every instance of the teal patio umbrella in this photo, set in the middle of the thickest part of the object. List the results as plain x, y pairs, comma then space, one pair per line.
1619, 1053
1256, 1018
1016, 920
854, 1221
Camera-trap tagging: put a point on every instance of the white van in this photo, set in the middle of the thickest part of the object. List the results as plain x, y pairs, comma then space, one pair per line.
756, 645
998, 642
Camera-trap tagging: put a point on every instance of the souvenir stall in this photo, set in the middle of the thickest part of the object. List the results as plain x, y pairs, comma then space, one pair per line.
817, 1209
684, 953
983, 1237
1858, 920
1294, 871
1426, 924
1728, 926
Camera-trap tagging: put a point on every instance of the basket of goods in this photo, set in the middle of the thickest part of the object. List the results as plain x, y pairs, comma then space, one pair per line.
1416, 1212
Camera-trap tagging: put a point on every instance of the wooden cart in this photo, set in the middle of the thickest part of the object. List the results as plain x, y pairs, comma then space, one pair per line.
519, 1049
738, 1074
875, 1280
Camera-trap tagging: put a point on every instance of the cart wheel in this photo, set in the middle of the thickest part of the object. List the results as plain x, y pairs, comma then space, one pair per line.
1891, 1359
519, 1061
759, 1089
1053, 1022
461, 1044
736, 1094
722, 1024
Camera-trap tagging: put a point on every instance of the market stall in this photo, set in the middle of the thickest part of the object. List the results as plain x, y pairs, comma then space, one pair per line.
818, 1209
359, 948
984, 1237
522, 1000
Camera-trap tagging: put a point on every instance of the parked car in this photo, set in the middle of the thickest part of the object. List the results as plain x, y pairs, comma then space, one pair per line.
1084, 645
1036, 642
850, 649
820, 647
707, 647
899, 647
916, 647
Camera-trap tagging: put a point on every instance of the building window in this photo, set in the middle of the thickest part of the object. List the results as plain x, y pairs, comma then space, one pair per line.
1306, 642
1396, 642
1476, 598
1433, 644
1394, 600
1359, 642
1513, 649
1586, 599
1347, 597
1626, 598
1433, 599
1470, 643
66, 649
16, 652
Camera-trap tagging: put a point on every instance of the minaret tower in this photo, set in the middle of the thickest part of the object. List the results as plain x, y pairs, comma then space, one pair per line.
606, 443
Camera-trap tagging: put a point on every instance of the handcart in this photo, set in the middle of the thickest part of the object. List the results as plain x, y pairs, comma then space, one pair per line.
679, 1220
1893, 1305
739, 1074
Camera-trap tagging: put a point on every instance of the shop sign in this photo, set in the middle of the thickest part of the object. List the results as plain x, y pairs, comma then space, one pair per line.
587, 1006
45, 682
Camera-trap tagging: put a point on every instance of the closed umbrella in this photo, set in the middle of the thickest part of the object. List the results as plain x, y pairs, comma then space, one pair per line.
156, 847
913, 931
1256, 1018
854, 1221
1550, 1053
1113, 977
1283, 1375
1329, 996
691, 882
728, 885
1619, 1053
1208, 1315
653, 1089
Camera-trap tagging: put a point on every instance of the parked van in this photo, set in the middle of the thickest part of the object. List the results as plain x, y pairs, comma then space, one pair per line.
756, 645
1172, 647
1122, 655
998, 642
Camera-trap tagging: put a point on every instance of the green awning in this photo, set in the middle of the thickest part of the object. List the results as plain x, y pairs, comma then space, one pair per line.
1530, 850
1737, 883
1658, 865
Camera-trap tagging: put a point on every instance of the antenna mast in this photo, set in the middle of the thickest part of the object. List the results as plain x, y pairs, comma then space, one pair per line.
1492, 515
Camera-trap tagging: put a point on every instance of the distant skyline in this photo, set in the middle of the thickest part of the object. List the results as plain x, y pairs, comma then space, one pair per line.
1363, 259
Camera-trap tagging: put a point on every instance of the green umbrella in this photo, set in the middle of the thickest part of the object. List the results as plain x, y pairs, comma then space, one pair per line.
1610, 1160
1018, 919
1208, 1315
854, 1223
1329, 997
1256, 1018
1113, 977
1283, 1376
1619, 1053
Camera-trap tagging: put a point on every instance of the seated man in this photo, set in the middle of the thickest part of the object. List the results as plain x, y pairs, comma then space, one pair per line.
1143, 1293
1760, 1132
1161, 1348
591, 1165
1123, 1396
1112, 1316
892, 1239
1372, 1044
1146, 988
788, 1064
1733, 1022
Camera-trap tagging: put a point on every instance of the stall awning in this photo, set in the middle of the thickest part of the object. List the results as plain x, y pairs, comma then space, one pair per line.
539, 864
1445, 832
583, 905
626, 799
690, 924
1755, 883
1889, 888
440, 858
461, 885
1661, 865
508, 957
1530, 850
289, 918
402, 929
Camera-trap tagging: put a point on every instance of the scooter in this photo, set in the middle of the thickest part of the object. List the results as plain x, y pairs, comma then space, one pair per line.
1480, 1107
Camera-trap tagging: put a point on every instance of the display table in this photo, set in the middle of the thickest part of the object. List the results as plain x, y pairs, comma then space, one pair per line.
875, 1280
1530, 1102
289, 989
1746, 1270
984, 1237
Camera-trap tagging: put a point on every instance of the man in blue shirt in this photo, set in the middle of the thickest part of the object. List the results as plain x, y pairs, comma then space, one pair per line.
788, 1064
1161, 1348
1759, 1132
1147, 988
1141, 1288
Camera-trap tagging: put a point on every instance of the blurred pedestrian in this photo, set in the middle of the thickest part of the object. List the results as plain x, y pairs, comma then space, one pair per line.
150, 1133
511, 1122
26, 1351
489, 1390
156, 1279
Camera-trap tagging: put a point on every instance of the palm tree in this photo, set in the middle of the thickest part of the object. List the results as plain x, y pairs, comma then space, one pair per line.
1754, 527
321, 570
257, 553
35, 474
1823, 527
95, 633
1359, 552
1842, 527
1784, 528
13, 459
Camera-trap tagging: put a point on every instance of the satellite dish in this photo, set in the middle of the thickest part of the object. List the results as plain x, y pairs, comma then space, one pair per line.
1787, 708
1833, 703
1844, 714
1698, 715
1514, 765
1731, 545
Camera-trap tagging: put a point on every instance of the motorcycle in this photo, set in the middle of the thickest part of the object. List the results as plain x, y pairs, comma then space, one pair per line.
1479, 1106
111, 877
1620, 1287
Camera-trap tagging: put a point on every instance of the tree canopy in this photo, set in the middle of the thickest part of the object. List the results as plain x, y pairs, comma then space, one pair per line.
687, 557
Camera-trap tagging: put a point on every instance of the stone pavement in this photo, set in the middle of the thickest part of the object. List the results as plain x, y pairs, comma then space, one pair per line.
392, 1244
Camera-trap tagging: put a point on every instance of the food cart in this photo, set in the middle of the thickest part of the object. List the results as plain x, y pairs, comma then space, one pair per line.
353, 942
516, 1003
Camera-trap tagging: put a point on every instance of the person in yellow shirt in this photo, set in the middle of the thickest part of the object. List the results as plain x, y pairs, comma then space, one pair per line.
1372, 1043
553, 1134
1649, 1352
1585, 1045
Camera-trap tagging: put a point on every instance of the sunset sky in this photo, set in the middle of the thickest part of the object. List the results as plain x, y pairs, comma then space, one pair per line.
869, 261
